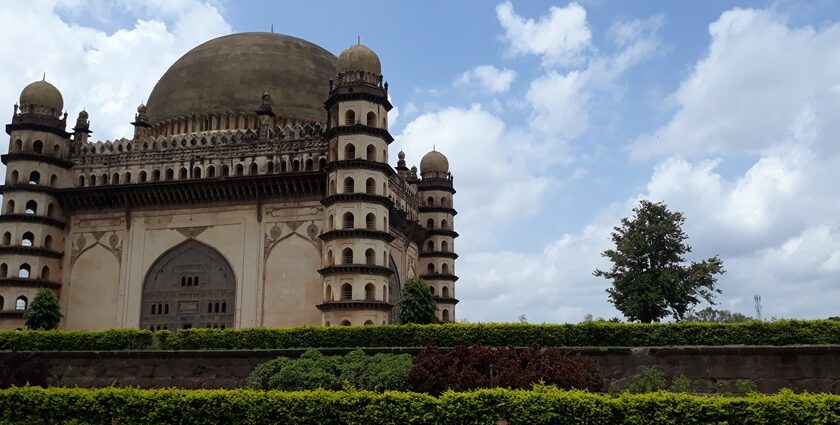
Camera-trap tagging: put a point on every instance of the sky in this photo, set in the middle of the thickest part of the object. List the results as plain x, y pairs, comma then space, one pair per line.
557, 119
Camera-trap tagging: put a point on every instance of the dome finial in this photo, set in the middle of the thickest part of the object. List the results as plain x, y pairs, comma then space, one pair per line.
359, 40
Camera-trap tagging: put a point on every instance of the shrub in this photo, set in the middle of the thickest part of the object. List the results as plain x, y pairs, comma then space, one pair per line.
19, 369
314, 370
32, 405
647, 381
416, 303
44, 313
466, 368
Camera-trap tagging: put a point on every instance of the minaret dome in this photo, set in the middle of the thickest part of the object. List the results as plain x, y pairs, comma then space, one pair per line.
42, 93
359, 58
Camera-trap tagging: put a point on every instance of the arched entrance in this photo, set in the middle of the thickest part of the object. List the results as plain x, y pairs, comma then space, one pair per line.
190, 286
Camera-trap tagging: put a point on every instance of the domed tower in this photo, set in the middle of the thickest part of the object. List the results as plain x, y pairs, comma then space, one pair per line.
356, 239
437, 255
31, 224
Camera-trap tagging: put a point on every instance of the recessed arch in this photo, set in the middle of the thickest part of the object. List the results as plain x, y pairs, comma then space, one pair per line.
371, 119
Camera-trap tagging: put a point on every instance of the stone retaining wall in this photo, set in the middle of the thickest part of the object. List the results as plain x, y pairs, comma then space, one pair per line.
811, 368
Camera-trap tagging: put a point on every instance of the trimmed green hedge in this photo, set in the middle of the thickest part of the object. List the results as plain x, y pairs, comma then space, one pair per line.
34, 405
792, 332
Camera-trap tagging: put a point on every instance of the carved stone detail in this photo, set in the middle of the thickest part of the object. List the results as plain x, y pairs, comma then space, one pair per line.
192, 232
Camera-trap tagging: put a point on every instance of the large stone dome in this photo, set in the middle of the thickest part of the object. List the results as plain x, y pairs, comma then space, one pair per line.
42, 93
230, 74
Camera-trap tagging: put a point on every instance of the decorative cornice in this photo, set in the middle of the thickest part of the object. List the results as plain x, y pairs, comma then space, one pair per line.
421, 187
24, 187
356, 269
442, 232
32, 218
360, 163
444, 210
371, 94
30, 156
358, 128
357, 197
439, 254
34, 122
442, 300
439, 276
356, 234
19, 282
355, 305
196, 191
29, 250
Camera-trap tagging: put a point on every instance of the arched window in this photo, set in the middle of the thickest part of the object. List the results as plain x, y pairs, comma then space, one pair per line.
24, 271
13, 177
444, 268
18, 145
331, 222
370, 292
56, 149
444, 202
330, 258
170, 174
349, 151
38, 146
371, 119
349, 185
27, 239
183, 173
7, 238
370, 257
48, 242
345, 323
430, 269
430, 202
196, 172
328, 296
444, 224
368, 322
31, 207
432, 289
216, 308
346, 292
45, 273
430, 246
211, 171
34, 177
444, 246
156, 175
348, 222
4, 270
225, 171
370, 186
20, 303
53, 180
370, 221
224, 307
430, 224
347, 256
127, 178
93, 180
283, 167
10, 207
269, 166
104, 179
81, 181
332, 187
253, 168
444, 315
322, 163
349, 117
445, 292
209, 307
371, 153
115, 179
143, 176
239, 169
49, 210
295, 166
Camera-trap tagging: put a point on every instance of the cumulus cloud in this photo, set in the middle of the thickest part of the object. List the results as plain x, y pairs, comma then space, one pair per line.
561, 37
490, 78
108, 74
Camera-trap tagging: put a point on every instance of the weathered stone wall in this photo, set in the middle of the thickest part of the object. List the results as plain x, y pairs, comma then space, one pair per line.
811, 368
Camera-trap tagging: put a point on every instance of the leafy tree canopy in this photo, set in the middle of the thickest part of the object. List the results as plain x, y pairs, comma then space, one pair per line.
711, 315
650, 276
44, 312
416, 303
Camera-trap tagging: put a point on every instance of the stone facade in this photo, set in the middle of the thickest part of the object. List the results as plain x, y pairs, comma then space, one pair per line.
224, 215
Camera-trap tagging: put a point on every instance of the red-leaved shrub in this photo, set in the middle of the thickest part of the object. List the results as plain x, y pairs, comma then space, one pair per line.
466, 368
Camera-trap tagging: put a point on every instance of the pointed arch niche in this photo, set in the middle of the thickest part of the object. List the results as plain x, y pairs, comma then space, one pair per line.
182, 283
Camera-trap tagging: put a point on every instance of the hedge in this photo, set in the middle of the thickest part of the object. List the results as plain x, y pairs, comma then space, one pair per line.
599, 334
543, 405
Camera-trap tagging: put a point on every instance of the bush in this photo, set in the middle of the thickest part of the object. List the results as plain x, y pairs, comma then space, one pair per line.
598, 334
44, 313
649, 380
18, 369
467, 368
313, 370
32, 405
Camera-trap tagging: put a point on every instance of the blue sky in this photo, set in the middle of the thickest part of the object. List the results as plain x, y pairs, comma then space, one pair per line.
557, 118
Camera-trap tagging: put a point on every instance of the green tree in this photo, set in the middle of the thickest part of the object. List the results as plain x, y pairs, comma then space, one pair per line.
711, 315
650, 276
44, 313
416, 303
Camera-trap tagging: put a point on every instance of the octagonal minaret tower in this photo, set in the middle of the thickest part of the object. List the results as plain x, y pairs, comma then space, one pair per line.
32, 228
356, 237
437, 255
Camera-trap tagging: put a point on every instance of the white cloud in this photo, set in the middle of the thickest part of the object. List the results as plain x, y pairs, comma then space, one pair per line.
760, 84
491, 79
107, 74
562, 37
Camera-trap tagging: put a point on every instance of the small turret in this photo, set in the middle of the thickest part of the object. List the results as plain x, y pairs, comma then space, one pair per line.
141, 122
